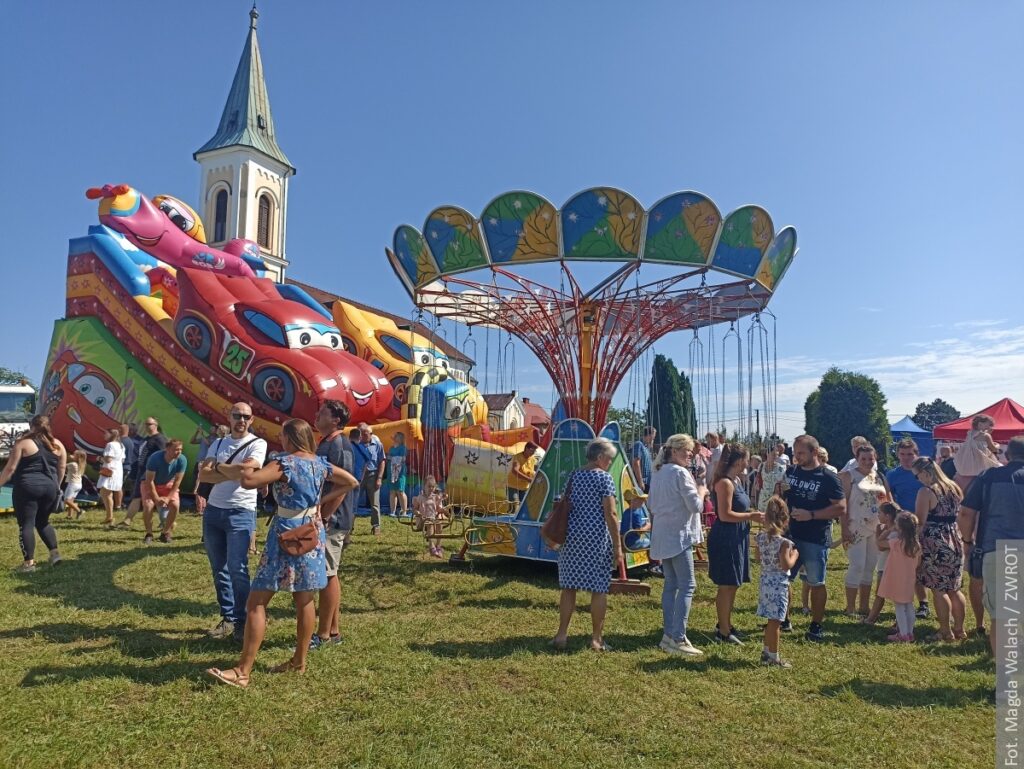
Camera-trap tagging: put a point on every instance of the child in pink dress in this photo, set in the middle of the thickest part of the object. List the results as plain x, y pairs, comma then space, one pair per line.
900, 575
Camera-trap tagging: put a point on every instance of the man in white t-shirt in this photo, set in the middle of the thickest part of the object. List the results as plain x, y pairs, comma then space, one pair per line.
714, 444
229, 520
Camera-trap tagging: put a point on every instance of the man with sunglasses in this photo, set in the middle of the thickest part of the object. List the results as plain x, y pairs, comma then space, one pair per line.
229, 520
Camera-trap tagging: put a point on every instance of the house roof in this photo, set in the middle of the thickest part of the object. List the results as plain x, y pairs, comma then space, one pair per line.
536, 414
326, 298
246, 120
499, 401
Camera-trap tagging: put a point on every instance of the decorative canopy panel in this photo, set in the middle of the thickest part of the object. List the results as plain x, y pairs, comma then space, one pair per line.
588, 339
598, 224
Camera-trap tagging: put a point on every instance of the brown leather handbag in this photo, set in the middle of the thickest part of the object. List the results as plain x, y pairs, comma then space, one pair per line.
556, 527
300, 540
303, 539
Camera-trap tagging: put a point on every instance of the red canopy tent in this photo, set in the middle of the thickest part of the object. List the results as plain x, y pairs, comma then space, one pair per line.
1008, 416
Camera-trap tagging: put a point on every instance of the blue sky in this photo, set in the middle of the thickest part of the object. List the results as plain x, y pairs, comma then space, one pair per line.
888, 134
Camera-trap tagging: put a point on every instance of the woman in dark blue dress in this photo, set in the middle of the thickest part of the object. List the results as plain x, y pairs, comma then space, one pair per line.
592, 543
729, 539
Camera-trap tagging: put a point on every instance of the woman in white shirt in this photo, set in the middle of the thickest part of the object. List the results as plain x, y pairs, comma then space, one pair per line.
111, 472
675, 506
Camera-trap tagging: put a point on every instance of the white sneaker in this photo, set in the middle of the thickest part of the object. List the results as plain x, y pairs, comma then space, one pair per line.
687, 648
668, 645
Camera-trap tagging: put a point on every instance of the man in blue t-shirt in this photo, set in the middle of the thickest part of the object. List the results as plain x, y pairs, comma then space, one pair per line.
815, 497
164, 471
904, 487
640, 454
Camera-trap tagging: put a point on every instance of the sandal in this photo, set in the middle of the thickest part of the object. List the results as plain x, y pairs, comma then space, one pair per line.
233, 677
602, 647
288, 666
936, 638
959, 635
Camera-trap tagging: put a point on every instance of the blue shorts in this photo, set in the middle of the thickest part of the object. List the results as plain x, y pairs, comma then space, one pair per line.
814, 559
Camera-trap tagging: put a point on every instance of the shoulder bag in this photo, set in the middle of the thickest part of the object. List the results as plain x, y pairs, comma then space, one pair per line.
203, 489
303, 538
556, 526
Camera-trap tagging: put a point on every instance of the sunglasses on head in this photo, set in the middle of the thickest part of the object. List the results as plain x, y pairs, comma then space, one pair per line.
236, 415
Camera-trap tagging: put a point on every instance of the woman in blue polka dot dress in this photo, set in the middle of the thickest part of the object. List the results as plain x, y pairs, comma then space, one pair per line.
592, 544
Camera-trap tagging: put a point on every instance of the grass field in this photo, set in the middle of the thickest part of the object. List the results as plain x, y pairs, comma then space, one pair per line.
102, 661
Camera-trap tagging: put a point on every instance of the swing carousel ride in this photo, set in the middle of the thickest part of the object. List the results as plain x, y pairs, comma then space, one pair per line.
709, 269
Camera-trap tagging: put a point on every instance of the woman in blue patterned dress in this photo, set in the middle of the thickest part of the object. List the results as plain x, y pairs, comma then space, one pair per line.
298, 476
592, 543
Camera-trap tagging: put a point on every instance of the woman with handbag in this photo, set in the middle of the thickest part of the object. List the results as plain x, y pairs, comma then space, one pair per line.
293, 559
37, 463
592, 543
111, 473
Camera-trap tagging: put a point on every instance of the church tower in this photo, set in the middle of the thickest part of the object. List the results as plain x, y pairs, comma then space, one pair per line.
243, 191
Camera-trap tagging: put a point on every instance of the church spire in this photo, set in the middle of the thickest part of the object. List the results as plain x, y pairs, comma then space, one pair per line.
246, 120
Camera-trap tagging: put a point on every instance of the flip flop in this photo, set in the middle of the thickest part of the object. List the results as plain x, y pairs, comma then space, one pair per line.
233, 677
602, 648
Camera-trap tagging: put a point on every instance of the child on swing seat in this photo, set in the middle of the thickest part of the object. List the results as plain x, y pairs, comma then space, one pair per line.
428, 509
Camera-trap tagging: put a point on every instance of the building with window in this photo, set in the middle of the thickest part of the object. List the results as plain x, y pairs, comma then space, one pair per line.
243, 191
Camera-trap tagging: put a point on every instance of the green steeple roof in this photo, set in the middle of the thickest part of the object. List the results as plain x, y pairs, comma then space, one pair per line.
246, 120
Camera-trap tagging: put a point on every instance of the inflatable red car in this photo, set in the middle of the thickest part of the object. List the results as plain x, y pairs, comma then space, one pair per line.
78, 398
289, 356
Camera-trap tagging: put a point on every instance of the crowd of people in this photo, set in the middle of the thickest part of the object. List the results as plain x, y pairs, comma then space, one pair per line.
906, 532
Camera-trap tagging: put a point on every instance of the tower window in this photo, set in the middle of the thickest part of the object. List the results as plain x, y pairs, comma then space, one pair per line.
260, 122
220, 217
263, 228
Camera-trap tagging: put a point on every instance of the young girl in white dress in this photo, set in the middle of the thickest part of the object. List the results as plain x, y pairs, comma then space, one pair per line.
73, 479
978, 453
777, 555
428, 509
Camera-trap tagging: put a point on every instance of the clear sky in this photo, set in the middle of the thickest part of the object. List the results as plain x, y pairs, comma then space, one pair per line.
889, 134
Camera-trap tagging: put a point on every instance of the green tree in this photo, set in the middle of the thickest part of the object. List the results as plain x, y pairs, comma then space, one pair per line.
9, 376
927, 415
844, 405
689, 407
631, 422
665, 399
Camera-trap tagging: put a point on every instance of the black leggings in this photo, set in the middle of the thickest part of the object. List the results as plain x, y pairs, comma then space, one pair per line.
32, 507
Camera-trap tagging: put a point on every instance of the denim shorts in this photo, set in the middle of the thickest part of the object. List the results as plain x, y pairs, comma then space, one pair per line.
814, 559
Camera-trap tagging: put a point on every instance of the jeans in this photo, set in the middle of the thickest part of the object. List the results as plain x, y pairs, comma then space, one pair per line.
226, 535
677, 594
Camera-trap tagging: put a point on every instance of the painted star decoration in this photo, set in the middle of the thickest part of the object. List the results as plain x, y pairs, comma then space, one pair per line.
472, 457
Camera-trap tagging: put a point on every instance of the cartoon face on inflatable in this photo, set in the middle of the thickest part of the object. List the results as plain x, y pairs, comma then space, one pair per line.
182, 216
78, 398
158, 230
377, 339
447, 405
288, 355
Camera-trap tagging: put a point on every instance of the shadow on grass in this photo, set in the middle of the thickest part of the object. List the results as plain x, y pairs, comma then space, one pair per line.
697, 664
87, 582
140, 643
52, 675
889, 695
